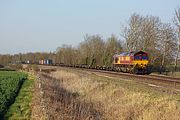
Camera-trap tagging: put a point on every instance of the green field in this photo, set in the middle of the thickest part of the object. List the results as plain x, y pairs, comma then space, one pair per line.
21, 108
10, 84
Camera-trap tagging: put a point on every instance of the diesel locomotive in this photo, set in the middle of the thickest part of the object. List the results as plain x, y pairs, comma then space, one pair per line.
132, 62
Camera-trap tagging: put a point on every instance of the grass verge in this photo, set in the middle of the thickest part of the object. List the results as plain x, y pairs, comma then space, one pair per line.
121, 99
21, 109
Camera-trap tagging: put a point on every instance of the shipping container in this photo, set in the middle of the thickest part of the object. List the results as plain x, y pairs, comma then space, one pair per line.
46, 62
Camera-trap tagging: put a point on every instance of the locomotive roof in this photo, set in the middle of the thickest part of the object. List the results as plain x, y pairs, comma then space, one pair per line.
128, 53
132, 53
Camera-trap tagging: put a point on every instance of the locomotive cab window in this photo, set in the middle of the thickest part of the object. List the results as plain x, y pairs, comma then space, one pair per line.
137, 57
144, 57
141, 56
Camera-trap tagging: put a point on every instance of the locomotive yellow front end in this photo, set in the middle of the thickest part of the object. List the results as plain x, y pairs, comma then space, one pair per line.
141, 62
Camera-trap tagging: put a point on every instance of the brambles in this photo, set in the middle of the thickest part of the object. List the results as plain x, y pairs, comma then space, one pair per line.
10, 83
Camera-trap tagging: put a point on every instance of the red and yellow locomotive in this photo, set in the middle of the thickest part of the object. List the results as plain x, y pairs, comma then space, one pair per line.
133, 62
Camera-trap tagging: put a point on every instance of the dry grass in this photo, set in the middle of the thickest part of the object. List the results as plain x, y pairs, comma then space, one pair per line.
116, 101
36, 106
172, 74
62, 104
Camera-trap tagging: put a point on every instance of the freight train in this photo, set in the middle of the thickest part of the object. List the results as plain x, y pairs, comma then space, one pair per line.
135, 62
40, 62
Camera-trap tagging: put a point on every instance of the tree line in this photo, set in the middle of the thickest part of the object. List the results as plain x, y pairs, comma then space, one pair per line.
160, 40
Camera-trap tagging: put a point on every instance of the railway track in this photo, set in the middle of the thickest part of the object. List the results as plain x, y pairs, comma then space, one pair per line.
152, 79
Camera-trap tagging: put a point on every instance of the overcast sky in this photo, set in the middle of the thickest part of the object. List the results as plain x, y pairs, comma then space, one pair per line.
43, 25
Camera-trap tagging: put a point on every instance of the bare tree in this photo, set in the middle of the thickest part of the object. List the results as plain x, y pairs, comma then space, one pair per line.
143, 32
112, 46
167, 43
131, 33
177, 23
92, 50
5, 59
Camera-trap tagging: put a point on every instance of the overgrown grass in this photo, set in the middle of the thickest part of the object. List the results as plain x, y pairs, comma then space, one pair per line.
121, 99
21, 109
135, 86
171, 74
175, 74
62, 104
